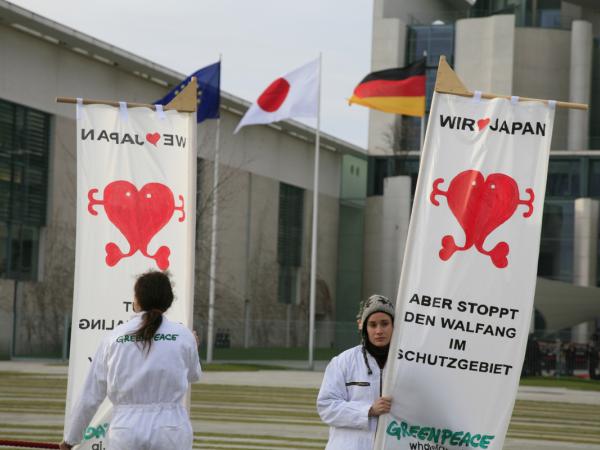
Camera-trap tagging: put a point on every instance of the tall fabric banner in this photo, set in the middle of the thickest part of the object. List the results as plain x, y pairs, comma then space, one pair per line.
466, 291
136, 185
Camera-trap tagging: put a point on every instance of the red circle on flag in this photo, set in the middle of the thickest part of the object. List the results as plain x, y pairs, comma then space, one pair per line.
272, 98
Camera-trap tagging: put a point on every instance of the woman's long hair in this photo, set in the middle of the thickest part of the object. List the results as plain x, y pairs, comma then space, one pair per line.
154, 296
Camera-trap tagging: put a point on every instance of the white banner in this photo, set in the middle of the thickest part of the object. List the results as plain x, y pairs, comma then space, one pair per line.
466, 291
136, 203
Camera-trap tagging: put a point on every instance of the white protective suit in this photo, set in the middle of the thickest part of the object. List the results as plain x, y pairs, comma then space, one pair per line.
346, 395
147, 389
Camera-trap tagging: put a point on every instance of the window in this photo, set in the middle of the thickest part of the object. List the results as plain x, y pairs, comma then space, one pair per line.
595, 97
484, 8
547, 14
556, 245
594, 190
289, 242
528, 13
410, 167
24, 148
383, 167
563, 179
598, 260
379, 168
434, 41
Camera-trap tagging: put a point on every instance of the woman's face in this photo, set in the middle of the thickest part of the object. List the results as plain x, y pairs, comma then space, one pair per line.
379, 329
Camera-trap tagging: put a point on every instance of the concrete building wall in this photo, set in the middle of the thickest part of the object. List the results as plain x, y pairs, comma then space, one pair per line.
35, 72
585, 252
485, 53
421, 11
373, 245
591, 15
585, 256
388, 50
6, 317
580, 83
492, 55
569, 11
391, 20
266, 151
253, 163
258, 220
386, 229
540, 51
44, 307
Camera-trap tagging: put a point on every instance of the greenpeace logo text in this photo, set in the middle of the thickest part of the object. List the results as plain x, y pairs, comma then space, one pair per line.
496, 125
438, 438
155, 139
98, 432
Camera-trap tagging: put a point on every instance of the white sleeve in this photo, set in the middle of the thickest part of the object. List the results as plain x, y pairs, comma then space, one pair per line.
194, 370
90, 397
333, 404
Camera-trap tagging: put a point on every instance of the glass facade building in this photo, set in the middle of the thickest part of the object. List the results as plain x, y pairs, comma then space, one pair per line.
24, 155
434, 40
431, 41
289, 242
528, 13
569, 178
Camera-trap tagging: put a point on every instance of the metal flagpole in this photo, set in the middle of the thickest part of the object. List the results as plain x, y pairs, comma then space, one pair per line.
313, 257
213, 249
247, 300
422, 136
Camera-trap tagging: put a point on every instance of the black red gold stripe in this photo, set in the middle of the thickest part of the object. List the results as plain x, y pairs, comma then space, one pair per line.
398, 91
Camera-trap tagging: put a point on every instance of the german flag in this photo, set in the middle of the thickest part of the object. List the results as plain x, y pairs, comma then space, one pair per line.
396, 91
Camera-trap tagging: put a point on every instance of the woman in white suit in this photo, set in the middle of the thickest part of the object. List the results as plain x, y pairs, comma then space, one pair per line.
350, 400
145, 367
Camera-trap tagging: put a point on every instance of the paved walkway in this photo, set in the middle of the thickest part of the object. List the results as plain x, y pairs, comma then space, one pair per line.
524, 444
306, 379
312, 379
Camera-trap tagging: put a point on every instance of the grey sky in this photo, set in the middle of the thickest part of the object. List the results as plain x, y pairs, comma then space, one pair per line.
259, 40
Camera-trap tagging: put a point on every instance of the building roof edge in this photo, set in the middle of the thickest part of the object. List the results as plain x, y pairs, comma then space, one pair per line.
59, 34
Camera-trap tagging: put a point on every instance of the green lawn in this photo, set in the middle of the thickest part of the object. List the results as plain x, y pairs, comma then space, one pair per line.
262, 417
242, 367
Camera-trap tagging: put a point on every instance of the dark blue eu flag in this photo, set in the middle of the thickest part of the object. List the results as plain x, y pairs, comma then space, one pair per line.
209, 92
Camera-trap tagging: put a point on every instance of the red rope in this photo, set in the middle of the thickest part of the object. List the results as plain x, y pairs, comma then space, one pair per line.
27, 444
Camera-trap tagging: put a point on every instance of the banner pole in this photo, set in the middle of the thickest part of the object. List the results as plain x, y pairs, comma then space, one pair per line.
185, 101
447, 82
313, 258
422, 134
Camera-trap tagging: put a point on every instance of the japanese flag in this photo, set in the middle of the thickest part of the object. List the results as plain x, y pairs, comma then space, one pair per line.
294, 95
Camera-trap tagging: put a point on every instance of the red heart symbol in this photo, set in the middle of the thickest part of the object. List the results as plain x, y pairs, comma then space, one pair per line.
482, 205
482, 123
139, 215
153, 138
